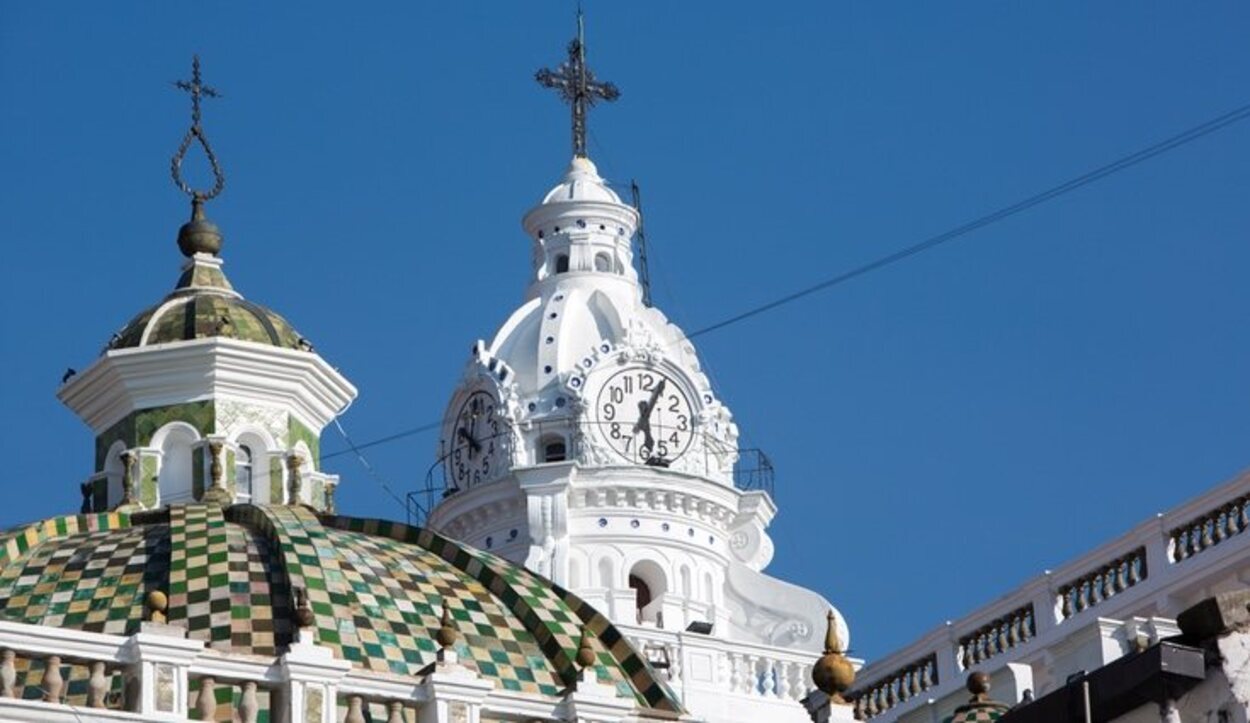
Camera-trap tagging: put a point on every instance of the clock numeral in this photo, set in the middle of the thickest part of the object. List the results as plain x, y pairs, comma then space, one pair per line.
618, 395
674, 403
615, 430
609, 411
629, 385
682, 422
676, 440
645, 381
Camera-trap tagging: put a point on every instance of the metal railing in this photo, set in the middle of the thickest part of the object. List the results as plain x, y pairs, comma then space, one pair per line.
749, 469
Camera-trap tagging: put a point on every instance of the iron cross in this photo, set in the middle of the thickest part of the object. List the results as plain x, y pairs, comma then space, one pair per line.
196, 88
577, 86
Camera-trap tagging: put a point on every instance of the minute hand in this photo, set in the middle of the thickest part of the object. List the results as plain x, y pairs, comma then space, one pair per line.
644, 418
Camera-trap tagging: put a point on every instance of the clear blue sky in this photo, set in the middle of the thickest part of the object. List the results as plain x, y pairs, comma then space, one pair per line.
942, 430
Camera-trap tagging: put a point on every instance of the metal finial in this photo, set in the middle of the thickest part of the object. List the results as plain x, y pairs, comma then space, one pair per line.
195, 133
577, 86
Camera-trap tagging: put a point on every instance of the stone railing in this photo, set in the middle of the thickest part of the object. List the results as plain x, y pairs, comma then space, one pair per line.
1103, 582
158, 674
771, 682
902, 685
997, 636
1157, 561
1210, 529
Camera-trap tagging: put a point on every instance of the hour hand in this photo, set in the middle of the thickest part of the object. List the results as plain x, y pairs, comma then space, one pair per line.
474, 445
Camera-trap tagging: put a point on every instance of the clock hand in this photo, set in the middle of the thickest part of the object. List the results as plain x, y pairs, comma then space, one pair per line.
474, 445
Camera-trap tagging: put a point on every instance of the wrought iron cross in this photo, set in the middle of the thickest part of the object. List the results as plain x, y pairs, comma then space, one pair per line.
195, 133
577, 86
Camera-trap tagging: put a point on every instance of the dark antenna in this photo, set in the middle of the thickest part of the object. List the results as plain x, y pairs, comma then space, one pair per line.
644, 271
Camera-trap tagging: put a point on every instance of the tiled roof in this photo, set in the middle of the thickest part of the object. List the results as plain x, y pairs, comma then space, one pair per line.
376, 590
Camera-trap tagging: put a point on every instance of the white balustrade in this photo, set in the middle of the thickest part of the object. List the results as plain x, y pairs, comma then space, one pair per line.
1158, 567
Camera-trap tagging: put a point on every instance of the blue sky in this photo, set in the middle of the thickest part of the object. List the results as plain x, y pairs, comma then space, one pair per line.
942, 430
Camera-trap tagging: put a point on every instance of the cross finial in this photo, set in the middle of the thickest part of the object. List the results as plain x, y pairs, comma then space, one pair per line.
577, 86
195, 133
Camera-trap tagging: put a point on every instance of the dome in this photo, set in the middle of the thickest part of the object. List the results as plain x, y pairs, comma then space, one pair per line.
203, 304
581, 182
376, 591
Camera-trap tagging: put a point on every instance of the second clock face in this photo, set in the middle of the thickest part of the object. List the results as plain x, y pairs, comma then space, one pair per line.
477, 442
644, 416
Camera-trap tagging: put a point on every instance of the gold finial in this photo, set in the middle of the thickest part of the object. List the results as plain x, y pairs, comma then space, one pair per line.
158, 604
585, 653
833, 673
447, 633
979, 686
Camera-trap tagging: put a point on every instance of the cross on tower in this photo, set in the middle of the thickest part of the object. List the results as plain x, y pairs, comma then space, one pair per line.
577, 86
196, 88
195, 134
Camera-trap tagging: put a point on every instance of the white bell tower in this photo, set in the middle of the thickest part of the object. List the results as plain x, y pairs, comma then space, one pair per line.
585, 441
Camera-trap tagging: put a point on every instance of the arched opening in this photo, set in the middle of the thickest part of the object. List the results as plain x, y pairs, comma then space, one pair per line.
174, 478
709, 588
603, 262
251, 469
649, 584
562, 263
243, 482
686, 582
553, 448
113, 471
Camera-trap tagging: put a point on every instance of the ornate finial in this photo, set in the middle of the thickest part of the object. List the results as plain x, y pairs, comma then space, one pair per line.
585, 653
979, 707
447, 633
199, 235
157, 604
303, 614
577, 86
833, 673
979, 686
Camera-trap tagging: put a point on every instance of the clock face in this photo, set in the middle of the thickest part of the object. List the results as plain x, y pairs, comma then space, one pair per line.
477, 442
644, 415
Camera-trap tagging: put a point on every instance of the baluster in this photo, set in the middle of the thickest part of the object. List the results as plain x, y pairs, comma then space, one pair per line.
1134, 569
1001, 642
735, 672
97, 685
1065, 602
355, 710
206, 704
782, 671
767, 676
8, 674
1195, 539
926, 676
53, 682
1207, 539
396, 712
799, 675
1220, 522
1243, 518
249, 707
891, 695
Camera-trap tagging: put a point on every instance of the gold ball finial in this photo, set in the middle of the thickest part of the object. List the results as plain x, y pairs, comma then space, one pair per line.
158, 604
833, 673
978, 685
585, 653
447, 633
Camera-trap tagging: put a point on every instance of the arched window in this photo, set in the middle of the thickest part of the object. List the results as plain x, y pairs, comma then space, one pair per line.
562, 263
243, 473
607, 577
554, 449
174, 478
649, 584
603, 262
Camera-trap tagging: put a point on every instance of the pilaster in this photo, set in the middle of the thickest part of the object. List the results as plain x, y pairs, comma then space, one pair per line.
310, 677
161, 656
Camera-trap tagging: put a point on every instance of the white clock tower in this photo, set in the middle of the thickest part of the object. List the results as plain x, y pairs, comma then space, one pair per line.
585, 441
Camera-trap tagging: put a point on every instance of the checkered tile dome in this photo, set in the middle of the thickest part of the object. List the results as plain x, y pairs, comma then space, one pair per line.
203, 304
376, 590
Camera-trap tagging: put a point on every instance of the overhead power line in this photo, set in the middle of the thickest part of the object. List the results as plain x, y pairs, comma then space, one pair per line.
1085, 179
1125, 162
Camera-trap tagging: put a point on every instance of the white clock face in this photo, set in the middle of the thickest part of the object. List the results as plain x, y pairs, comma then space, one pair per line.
477, 442
644, 416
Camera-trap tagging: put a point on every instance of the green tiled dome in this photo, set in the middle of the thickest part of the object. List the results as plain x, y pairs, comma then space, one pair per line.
376, 590
203, 304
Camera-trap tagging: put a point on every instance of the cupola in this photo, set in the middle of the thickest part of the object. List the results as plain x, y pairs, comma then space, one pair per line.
205, 395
